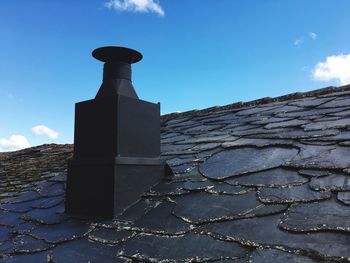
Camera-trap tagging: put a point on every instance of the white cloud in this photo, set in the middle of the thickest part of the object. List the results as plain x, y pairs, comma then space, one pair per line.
313, 35
298, 42
142, 6
15, 142
46, 131
334, 68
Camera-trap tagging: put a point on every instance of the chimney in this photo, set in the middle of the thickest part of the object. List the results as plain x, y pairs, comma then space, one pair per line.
116, 143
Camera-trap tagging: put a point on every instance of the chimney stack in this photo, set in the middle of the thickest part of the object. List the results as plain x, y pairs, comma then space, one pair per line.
116, 143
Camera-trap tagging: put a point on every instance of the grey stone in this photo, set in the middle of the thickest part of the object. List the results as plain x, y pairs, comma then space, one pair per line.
267, 255
245, 160
291, 194
201, 207
344, 197
271, 178
326, 215
335, 182
187, 248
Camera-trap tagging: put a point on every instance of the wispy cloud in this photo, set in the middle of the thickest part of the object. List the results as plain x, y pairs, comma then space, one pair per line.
298, 42
142, 6
45, 131
334, 68
313, 35
15, 142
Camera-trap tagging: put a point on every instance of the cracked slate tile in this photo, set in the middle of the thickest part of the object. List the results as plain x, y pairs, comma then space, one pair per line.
310, 102
180, 248
65, 231
320, 216
225, 188
319, 157
267, 255
264, 231
239, 161
201, 207
344, 197
83, 250
336, 103
161, 220
166, 189
335, 182
271, 178
291, 194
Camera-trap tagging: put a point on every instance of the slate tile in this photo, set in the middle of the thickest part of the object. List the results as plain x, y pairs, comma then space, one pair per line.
284, 124
4, 233
161, 220
314, 173
139, 209
320, 216
310, 102
197, 185
295, 133
264, 231
272, 178
6, 248
335, 182
28, 258
67, 230
208, 139
327, 124
344, 197
187, 248
225, 188
175, 139
110, 236
23, 197
320, 157
46, 216
205, 146
256, 142
167, 189
83, 250
238, 161
291, 194
47, 202
60, 177
28, 244
338, 102
18, 207
10, 218
200, 207
266, 255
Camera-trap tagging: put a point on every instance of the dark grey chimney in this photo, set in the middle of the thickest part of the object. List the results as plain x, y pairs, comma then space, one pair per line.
116, 143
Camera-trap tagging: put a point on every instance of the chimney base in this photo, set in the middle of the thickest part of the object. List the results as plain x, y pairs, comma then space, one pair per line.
106, 189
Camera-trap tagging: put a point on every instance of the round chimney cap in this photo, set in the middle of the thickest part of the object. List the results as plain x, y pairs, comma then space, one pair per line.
115, 53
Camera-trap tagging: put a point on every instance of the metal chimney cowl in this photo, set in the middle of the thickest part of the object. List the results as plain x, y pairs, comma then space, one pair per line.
116, 143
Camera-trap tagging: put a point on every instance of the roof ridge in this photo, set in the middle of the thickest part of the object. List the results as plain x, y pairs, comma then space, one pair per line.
262, 101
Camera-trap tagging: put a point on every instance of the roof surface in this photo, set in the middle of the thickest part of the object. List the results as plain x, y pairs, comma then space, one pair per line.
260, 182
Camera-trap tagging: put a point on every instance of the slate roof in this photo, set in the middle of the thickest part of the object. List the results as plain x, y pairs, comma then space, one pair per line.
265, 181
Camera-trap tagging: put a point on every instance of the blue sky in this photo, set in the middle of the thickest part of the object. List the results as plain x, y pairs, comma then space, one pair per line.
197, 54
